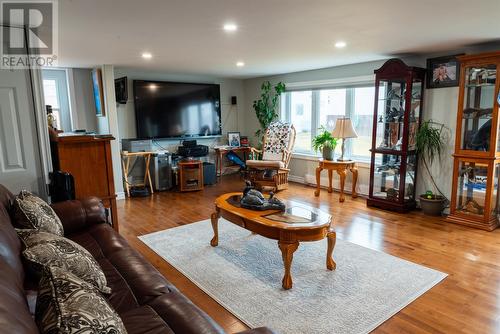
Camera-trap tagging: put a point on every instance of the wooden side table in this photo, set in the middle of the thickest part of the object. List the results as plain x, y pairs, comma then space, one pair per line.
190, 175
341, 167
220, 152
126, 156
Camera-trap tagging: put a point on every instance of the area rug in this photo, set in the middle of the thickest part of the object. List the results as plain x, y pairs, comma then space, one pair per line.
244, 275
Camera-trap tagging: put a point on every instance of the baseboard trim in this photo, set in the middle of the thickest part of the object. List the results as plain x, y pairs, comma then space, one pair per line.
120, 195
310, 180
296, 179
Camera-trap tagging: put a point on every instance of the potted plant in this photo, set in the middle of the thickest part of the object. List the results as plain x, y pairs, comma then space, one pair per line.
266, 106
325, 142
429, 145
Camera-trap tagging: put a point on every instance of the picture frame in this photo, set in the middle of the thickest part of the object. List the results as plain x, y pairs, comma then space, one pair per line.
98, 92
233, 139
443, 72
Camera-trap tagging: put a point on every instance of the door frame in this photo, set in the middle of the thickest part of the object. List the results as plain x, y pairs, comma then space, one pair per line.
42, 134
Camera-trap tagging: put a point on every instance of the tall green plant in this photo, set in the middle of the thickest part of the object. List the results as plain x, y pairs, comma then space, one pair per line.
429, 146
266, 106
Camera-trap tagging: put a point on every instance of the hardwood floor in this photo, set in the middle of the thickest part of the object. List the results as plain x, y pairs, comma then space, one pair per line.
467, 301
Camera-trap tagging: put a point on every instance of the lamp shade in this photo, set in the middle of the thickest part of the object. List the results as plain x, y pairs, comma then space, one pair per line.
344, 129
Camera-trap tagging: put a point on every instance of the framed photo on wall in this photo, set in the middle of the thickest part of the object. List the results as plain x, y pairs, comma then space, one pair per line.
443, 72
98, 92
233, 139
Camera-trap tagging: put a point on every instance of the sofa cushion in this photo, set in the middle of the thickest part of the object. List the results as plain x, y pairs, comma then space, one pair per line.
32, 212
144, 320
263, 164
68, 304
143, 280
14, 313
45, 249
135, 284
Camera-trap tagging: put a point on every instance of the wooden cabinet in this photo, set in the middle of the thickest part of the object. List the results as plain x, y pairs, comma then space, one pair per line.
88, 159
399, 97
476, 167
190, 175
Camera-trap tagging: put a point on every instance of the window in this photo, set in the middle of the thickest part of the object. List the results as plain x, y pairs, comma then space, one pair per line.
55, 92
308, 110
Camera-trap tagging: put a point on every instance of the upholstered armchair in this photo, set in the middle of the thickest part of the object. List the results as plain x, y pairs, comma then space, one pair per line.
271, 171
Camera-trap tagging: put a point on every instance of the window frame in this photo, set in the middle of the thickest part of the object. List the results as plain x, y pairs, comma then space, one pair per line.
349, 86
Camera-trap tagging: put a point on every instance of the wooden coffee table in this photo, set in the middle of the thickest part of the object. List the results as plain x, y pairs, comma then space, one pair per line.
299, 223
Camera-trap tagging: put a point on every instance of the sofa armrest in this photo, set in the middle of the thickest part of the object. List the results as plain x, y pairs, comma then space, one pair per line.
78, 214
260, 330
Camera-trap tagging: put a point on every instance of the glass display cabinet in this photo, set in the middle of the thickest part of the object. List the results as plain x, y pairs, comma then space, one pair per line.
474, 199
398, 109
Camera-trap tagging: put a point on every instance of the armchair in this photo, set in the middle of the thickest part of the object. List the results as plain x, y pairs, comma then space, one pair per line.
272, 169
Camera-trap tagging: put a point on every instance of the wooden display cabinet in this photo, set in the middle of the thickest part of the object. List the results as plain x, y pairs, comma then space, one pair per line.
398, 110
476, 167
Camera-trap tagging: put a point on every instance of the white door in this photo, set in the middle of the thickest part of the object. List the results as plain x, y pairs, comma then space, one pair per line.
20, 163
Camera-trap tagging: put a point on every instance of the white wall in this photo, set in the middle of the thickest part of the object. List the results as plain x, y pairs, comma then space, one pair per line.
232, 116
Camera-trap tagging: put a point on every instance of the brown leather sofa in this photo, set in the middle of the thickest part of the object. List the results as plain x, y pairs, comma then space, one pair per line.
145, 300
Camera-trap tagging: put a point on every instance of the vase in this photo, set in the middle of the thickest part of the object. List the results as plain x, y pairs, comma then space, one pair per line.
328, 153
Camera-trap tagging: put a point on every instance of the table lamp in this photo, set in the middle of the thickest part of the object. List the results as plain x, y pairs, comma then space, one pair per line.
344, 129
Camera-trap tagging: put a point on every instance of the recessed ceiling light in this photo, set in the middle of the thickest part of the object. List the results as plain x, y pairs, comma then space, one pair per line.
340, 44
240, 64
230, 27
147, 55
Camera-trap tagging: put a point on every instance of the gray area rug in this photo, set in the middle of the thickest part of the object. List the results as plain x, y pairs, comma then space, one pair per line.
244, 275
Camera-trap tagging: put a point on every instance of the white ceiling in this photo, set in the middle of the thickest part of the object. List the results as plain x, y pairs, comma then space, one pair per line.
274, 36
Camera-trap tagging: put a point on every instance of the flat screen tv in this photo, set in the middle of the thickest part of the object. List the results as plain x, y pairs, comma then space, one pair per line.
176, 110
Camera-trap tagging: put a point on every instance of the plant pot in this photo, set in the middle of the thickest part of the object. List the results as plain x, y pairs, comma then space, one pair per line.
328, 152
432, 206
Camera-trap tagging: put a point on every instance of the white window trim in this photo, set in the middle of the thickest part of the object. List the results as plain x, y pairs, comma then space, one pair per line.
330, 83
315, 86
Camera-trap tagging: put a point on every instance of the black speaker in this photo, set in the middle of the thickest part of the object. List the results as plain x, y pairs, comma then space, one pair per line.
189, 143
233, 100
209, 176
121, 91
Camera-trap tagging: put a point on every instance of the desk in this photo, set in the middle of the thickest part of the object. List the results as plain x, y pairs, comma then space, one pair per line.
126, 168
341, 167
220, 152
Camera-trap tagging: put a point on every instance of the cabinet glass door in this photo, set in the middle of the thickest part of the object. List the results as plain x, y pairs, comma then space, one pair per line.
387, 177
414, 113
471, 192
479, 101
390, 114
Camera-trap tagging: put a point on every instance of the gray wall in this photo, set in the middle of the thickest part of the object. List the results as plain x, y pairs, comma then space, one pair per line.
232, 116
83, 98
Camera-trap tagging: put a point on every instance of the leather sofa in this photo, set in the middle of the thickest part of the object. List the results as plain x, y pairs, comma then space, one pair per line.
144, 299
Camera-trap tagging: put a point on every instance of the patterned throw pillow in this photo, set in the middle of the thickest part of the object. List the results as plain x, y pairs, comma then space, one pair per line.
31, 211
66, 304
45, 249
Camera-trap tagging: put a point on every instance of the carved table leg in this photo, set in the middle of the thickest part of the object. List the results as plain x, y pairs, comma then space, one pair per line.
215, 219
287, 250
330, 177
342, 173
354, 171
318, 179
332, 238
